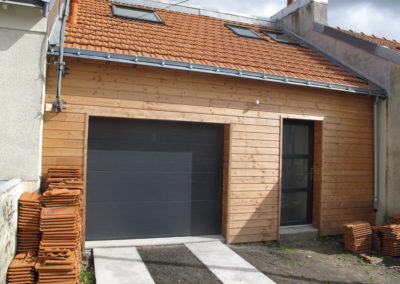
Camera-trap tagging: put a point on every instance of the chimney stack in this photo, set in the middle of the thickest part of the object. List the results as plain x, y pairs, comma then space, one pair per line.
289, 2
73, 12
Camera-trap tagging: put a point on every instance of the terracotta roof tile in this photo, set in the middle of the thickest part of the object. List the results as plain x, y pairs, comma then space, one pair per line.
198, 39
392, 44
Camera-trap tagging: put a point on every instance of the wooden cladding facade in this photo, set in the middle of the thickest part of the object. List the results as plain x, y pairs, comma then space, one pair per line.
343, 184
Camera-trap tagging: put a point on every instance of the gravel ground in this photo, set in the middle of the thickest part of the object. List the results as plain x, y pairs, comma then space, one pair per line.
175, 264
321, 261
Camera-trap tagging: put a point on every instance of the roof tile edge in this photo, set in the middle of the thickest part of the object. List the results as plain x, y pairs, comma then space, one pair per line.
253, 20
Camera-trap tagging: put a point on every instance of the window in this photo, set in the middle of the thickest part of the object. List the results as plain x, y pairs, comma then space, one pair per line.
279, 37
244, 31
135, 13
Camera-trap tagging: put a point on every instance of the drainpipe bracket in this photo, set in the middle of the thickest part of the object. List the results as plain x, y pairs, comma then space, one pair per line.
58, 105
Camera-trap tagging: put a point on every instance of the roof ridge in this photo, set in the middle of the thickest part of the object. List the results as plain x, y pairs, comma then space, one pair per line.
366, 34
208, 12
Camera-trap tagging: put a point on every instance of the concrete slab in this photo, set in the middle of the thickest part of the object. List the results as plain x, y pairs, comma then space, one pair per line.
296, 233
152, 242
120, 266
228, 266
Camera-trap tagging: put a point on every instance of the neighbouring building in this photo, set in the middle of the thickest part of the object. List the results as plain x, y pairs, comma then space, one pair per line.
194, 122
24, 30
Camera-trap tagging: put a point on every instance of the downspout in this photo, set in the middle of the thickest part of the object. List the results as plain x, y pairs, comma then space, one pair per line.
58, 103
376, 155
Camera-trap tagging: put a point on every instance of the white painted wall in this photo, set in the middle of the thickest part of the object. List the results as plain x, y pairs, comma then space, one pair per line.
23, 47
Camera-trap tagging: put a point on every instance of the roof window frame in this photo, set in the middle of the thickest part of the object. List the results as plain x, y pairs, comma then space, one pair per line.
159, 19
232, 28
268, 32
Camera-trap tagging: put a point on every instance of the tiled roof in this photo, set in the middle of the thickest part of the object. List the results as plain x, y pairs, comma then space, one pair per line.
198, 39
392, 44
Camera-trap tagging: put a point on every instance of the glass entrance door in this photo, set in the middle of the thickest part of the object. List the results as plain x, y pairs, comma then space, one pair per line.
297, 172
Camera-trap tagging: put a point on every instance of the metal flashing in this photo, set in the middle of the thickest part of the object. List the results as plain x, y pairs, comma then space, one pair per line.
212, 69
259, 21
27, 3
365, 45
382, 91
293, 7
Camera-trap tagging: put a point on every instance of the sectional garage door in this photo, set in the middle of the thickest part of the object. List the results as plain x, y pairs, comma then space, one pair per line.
149, 178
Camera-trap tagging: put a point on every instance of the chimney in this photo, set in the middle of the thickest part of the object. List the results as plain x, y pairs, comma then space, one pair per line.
73, 12
300, 18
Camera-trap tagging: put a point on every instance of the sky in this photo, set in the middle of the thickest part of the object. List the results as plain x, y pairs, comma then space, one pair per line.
378, 17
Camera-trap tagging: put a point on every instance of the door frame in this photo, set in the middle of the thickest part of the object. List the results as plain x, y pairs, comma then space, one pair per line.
318, 166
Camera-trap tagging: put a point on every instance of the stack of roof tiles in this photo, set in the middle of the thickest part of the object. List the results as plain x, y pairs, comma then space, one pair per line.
358, 237
390, 239
28, 235
395, 219
61, 226
21, 269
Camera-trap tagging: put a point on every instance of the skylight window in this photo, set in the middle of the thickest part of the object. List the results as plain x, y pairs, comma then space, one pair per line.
279, 37
135, 13
244, 31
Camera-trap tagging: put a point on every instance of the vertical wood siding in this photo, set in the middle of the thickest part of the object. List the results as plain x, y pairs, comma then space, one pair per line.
252, 182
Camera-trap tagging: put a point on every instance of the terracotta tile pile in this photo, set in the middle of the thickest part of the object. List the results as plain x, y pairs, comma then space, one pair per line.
358, 236
395, 219
390, 239
28, 234
61, 226
22, 269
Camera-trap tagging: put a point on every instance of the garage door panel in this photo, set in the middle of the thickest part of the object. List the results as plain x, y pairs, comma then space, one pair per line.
153, 179
146, 217
166, 187
143, 161
205, 218
205, 186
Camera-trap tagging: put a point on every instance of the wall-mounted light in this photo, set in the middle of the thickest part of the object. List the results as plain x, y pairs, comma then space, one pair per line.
4, 6
257, 102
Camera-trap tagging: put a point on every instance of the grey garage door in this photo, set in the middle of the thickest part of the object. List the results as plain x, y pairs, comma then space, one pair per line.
149, 178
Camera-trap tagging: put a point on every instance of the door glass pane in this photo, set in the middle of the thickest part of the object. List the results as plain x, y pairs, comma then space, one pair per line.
295, 139
294, 208
295, 173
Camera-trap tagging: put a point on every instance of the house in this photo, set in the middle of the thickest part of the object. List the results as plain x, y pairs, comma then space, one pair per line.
25, 27
194, 122
377, 60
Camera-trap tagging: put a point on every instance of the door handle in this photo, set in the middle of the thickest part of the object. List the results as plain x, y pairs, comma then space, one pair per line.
311, 173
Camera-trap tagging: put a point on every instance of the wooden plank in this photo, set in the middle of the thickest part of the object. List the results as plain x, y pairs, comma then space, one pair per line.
255, 194
251, 224
254, 180
255, 143
254, 165
64, 116
63, 143
254, 216
63, 134
254, 158
255, 151
252, 238
256, 136
253, 187
61, 125
62, 152
61, 161
254, 201
253, 208
254, 173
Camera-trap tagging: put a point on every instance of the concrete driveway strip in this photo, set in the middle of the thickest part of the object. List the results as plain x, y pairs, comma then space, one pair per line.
120, 266
228, 266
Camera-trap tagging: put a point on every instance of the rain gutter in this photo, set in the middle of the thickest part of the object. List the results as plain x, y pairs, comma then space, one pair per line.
211, 69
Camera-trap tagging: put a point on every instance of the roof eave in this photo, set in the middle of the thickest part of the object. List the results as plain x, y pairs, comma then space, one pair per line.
211, 69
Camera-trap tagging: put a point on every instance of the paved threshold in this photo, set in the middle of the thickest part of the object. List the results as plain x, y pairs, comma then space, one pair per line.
120, 266
228, 266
